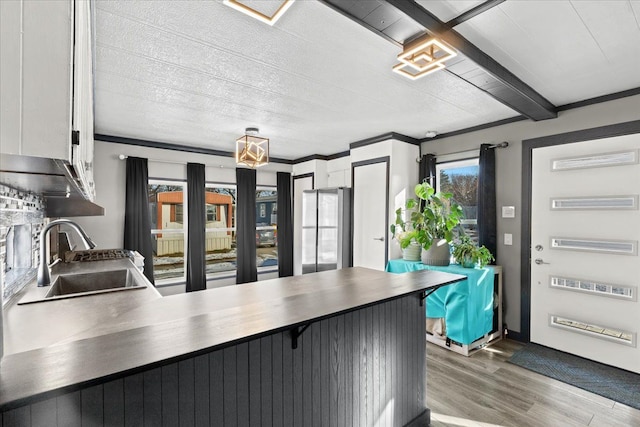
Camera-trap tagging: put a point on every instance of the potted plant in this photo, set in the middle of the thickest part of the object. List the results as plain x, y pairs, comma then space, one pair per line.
433, 218
401, 230
468, 254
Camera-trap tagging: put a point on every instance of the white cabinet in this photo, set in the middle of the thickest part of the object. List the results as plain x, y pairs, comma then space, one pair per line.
47, 84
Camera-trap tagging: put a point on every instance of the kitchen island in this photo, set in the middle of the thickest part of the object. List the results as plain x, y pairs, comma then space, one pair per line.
343, 347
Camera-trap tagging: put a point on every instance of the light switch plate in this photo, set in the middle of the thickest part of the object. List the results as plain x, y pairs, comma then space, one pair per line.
508, 239
508, 212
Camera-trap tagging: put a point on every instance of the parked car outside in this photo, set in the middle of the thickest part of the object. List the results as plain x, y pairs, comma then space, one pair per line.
266, 236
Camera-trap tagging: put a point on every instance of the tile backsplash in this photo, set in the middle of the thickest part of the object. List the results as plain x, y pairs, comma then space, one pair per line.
21, 219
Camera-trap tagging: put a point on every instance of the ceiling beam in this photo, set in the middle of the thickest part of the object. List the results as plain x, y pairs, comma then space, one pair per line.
503, 85
481, 8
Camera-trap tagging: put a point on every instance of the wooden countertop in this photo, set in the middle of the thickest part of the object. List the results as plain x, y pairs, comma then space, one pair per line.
165, 330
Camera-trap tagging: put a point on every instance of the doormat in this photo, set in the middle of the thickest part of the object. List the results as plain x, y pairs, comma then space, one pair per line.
607, 381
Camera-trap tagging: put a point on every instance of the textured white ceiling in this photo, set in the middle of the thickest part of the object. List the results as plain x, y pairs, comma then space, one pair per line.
567, 51
198, 72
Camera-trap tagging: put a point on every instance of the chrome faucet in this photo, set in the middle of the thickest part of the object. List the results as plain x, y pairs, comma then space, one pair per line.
44, 276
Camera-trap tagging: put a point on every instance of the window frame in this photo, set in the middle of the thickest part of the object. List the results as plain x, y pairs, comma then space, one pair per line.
185, 224
227, 274
455, 164
274, 188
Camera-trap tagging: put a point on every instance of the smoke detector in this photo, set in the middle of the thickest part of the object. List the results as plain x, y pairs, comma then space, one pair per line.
431, 134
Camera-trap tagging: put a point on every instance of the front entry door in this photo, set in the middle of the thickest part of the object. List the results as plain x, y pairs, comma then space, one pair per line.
370, 206
585, 269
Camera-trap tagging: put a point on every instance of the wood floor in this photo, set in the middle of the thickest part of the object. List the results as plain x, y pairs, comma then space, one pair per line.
485, 390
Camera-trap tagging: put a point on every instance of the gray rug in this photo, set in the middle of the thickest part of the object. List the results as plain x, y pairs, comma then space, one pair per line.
612, 383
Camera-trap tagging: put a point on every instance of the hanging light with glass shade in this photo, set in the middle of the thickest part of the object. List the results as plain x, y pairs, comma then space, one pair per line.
252, 150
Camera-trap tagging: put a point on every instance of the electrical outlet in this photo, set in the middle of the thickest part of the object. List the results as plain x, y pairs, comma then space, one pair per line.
508, 239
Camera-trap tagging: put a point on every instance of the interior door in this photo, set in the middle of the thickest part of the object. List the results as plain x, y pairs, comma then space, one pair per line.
370, 210
585, 230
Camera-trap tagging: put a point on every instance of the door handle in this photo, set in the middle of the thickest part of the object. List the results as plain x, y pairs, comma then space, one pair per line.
540, 261
379, 238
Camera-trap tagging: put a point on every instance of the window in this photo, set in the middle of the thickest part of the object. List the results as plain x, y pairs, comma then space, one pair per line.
461, 179
266, 230
168, 213
220, 239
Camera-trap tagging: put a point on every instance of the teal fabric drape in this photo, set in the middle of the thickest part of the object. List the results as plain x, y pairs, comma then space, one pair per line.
466, 306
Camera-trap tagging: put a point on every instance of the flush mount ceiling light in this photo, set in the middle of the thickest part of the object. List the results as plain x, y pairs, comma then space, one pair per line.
422, 57
252, 150
270, 20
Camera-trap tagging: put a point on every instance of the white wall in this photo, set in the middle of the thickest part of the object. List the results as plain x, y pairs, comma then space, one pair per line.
339, 172
403, 176
509, 170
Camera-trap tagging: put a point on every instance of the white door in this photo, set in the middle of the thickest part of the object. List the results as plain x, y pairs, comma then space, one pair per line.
299, 185
585, 270
370, 206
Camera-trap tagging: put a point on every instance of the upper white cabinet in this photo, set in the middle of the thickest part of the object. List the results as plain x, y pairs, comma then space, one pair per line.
46, 102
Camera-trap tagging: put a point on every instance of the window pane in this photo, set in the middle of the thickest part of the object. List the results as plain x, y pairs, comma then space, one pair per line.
220, 243
266, 231
461, 179
166, 208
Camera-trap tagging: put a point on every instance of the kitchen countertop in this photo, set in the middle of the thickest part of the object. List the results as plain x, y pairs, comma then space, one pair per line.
40, 324
163, 330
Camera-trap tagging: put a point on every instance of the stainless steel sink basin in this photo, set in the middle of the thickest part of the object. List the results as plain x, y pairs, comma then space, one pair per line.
104, 281
84, 284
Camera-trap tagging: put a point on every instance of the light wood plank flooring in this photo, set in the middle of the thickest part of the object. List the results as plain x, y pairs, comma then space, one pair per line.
486, 390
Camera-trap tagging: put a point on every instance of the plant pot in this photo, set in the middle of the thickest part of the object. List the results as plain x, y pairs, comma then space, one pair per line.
467, 262
437, 254
412, 252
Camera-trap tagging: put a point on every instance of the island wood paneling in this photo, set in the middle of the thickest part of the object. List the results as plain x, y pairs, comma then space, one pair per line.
362, 368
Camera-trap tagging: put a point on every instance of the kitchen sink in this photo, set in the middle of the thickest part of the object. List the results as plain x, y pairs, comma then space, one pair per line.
104, 281
84, 284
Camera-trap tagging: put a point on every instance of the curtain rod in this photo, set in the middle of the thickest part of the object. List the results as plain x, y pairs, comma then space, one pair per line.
173, 162
503, 144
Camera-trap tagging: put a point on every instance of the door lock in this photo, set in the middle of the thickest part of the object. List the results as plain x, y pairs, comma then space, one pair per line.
539, 261
539, 248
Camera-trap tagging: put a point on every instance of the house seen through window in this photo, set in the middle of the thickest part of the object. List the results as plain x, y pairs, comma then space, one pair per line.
169, 223
168, 226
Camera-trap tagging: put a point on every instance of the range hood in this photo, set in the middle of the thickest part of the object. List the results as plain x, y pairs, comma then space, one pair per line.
50, 178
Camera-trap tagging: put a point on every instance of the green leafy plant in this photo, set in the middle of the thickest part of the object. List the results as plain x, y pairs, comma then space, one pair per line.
468, 254
433, 217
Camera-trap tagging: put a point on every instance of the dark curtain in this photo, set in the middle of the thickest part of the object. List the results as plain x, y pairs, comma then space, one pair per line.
487, 228
428, 169
196, 262
285, 225
137, 222
246, 226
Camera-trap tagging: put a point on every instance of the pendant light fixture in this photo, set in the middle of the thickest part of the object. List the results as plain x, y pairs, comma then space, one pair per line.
423, 56
254, 13
252, 150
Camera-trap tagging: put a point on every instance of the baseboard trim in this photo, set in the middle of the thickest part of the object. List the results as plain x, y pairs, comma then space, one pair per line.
516, 336
422, 420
